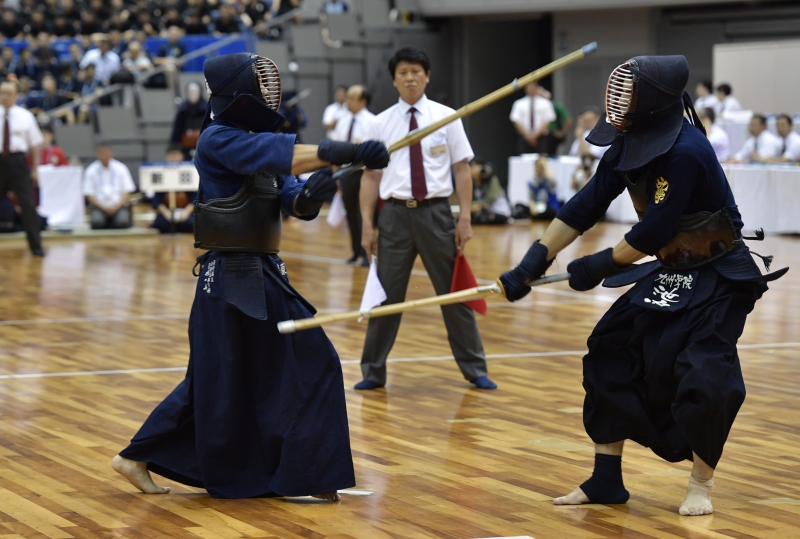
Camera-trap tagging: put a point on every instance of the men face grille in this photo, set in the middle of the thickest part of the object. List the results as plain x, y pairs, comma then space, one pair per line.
269, 81
619, 96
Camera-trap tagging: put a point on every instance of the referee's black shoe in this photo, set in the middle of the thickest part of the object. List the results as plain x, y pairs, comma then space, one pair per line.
38, 251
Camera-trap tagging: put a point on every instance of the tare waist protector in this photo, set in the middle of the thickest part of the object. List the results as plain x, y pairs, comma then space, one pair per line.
249, 221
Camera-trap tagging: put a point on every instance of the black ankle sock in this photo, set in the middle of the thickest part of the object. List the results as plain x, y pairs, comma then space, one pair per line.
605, 485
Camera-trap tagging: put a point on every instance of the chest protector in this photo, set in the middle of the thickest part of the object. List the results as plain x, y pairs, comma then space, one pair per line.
249, 221
700, 237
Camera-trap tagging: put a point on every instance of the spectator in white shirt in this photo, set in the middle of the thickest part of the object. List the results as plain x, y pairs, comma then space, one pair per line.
353, 127
716, 135
727, 103
580, 147
416, 218
19, 135
705, 96
790, 138
106, 62
334, 111
136, 59
531, 117
762, 145
107, 184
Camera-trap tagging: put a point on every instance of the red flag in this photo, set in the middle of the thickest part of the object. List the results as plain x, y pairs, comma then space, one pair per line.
464, 279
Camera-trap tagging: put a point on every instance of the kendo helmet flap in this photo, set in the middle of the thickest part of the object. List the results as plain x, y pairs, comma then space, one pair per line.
645, 104
244, 89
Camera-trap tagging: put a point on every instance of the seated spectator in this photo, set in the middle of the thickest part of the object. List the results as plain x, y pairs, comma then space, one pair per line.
172, 49
107, 184
202, 8
188, 120
791, 139
105, 61
194, 25
181, 219
101, 9
727, 103
227, 22
120, 21
580, 146
544, 202
90, 23
48, 63
10, 27
583, 173
50, 99
762, 145
8, 55
75, 56
716, 135
136, 59
69, 83
172, 18
705, 96
25, 66
49, 153
332, 7
88, 84
255, 12
489, 201
62, 27
145, 23
71, 12
38, 23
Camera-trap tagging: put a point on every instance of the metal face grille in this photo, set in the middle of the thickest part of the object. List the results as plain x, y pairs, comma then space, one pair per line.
269, 81
619, 96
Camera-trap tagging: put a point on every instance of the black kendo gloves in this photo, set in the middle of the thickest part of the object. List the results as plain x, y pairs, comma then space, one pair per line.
534, 264
587, 272
372, 153
318, 189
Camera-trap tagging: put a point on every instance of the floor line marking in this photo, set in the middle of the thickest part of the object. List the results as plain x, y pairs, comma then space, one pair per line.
80, 320
511, 355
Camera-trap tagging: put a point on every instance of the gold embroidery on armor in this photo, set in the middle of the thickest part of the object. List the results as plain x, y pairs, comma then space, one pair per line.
661, 190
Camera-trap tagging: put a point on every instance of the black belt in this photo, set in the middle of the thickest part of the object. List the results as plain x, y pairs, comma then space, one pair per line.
414, 203
11, 154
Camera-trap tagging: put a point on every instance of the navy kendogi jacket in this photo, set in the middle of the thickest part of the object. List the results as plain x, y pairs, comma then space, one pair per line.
696, 182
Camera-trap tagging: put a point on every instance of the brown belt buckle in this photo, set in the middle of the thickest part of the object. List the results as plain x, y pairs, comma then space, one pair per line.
411, 203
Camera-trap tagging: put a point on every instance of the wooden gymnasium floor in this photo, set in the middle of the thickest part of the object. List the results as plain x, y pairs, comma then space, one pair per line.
94, 336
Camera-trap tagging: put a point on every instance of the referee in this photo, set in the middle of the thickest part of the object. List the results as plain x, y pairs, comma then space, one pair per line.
19, 134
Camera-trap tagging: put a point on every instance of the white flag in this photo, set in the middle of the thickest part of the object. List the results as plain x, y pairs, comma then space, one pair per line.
374, 294
336, 213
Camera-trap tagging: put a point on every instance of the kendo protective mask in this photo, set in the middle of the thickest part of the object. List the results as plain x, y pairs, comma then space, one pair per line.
645, 104
244, 89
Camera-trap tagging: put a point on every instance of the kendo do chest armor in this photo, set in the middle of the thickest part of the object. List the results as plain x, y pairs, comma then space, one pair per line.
700, 238
249, 221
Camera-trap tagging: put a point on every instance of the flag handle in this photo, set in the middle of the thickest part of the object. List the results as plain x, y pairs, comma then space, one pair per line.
292, 326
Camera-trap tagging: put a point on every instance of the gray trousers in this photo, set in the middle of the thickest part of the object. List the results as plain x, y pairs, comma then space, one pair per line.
429, 231
98, 219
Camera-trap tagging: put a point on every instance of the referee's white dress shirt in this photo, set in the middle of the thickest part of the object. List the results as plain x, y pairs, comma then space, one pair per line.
25, 133
543, 112
361, 128
107, 185
440, 150
765, 145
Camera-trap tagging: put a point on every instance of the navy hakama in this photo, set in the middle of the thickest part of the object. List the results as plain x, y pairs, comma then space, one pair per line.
259, 413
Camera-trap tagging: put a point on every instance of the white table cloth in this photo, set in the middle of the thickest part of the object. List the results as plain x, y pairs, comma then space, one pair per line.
61, 194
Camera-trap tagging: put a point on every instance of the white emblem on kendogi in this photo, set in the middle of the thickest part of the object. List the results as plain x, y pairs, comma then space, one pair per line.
209, 276
668, 297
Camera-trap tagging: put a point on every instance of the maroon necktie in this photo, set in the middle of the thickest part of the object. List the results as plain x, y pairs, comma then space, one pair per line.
6, 135
418, 187
533, 116
350, 132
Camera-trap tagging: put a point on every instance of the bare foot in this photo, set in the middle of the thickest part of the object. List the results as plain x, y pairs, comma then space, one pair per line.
698, 498
330, 496
137, 474
576, 497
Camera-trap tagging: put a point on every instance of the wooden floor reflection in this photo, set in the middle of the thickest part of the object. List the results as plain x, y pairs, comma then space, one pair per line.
93, 336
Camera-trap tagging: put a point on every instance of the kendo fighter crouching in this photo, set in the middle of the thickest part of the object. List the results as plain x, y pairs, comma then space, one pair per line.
259, 413
662, 368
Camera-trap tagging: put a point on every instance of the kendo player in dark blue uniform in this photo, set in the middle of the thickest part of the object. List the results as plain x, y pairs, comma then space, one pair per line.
259, 413
662, 368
